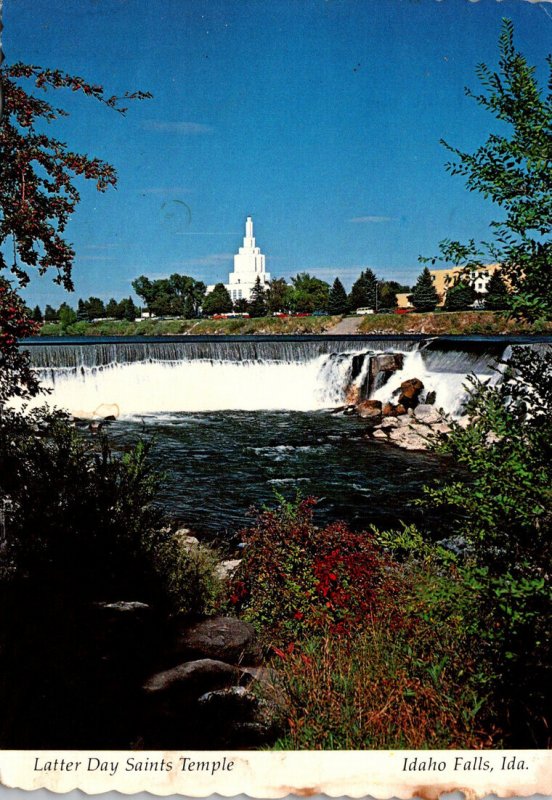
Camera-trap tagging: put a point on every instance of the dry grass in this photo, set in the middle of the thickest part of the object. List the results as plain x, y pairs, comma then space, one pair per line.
453, 322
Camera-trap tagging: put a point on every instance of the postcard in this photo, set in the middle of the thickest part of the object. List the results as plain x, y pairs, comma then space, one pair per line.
275, 407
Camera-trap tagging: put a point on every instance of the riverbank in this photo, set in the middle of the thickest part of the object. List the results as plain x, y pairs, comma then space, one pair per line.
194, 327
457, 322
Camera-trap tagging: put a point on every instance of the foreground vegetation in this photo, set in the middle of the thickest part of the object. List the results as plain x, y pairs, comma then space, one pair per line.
452, 637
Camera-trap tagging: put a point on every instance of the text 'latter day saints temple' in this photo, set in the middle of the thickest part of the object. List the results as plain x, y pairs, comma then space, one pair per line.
249, 264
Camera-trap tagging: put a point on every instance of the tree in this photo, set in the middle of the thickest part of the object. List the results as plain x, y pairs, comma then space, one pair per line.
257, 303
50, 314
16, 376
37, 314
82, 310
512, 169
127, 310
96, 308
309, 293
363, 293
179, 295
460, 297
387, 293
218, 301
496, 298
337, 301
424, 296
111, 308
278, 295
240, 305
67, 316
38, 194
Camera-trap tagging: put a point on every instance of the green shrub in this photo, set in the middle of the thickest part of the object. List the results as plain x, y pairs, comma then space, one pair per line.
189, 575
504, 513
81, 518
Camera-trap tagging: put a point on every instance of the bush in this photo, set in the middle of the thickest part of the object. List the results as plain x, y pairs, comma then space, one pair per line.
504, 513
189, 575
81, 518
297, 578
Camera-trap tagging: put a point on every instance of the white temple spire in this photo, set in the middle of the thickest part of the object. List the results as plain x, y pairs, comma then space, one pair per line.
248, 228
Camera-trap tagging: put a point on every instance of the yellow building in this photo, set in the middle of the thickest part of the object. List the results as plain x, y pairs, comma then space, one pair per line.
444, 279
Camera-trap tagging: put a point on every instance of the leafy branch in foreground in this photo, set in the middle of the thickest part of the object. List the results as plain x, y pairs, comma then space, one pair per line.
38, 194
513, 170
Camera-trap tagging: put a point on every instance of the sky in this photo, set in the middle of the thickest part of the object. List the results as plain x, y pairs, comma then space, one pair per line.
321, 119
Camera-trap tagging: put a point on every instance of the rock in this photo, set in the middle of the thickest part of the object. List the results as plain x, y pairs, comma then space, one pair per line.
107, 410
192, 679
369, 409
427, 414
413, 437
456, 544
410, 392
386, 362
225, 569
492, 438
379, 434
400, 409
388, 423
223, 638
388, 410
463, 422
349, 410
442, 428
187, 542
430, 398
238, 718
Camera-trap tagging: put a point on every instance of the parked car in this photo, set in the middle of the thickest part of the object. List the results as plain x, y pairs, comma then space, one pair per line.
363, 311
319, 313
403, 311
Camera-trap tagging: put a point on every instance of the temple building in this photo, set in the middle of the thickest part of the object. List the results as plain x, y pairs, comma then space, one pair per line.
249, 264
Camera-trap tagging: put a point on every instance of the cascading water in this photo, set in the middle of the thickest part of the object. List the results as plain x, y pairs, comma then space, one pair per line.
153, 377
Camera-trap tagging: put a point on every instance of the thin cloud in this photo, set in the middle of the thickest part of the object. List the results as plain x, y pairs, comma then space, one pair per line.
211, 260
105, 246
207, 233
186, 128
372, 218
93, 258
166, 190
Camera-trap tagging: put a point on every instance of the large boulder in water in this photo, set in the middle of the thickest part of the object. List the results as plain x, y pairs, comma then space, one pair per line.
410, 392
427, 414
370, 409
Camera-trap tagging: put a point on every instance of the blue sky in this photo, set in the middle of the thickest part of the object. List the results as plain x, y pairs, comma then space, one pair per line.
320, 118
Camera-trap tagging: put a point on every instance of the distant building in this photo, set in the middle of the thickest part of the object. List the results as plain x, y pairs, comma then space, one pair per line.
445, 279
249, 264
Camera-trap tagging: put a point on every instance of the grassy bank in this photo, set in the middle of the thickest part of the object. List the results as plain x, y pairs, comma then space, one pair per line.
456, 322
452, 322
168, 327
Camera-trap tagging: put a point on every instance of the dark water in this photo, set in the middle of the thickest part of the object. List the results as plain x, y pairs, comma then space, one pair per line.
220, 464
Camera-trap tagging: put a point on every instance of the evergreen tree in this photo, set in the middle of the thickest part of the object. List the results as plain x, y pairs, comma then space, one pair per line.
37, 314
337, 302
424, 296
363, 293
460, 297
111, 308
496, 298
126, 309
82, 310
257, 303
241, 306
278, 295
218, 301
50, 314
96, 308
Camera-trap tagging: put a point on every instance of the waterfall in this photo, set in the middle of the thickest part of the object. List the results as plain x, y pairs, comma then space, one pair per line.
150, 377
